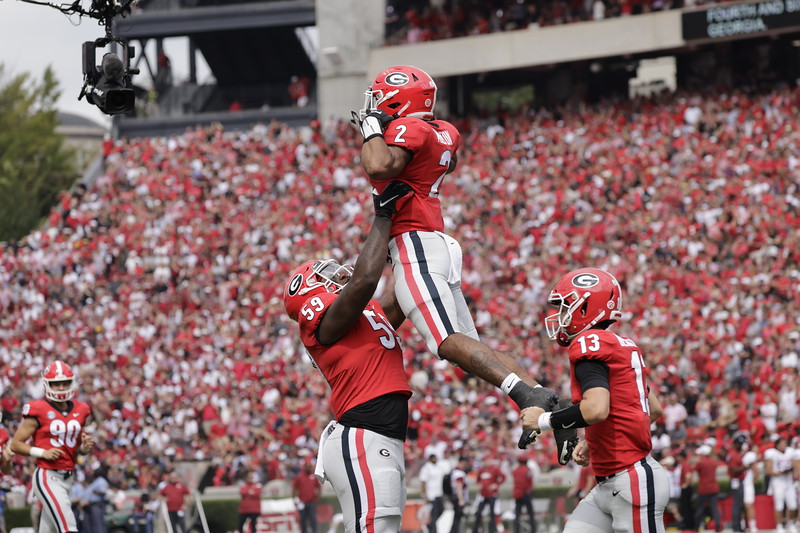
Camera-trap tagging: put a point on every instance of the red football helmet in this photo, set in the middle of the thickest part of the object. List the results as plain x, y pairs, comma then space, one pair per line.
584, 297
313, 277
56, 372
402, 91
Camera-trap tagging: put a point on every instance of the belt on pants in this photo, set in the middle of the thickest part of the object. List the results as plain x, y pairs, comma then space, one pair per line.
65, 474
600, 479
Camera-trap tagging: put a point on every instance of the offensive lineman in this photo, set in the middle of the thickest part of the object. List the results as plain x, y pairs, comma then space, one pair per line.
56, 424
403, 141
351, 340
613, 402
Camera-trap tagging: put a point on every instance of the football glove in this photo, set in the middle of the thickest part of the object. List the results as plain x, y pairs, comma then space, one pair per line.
373, 124
566, 439
386, 202
532, 397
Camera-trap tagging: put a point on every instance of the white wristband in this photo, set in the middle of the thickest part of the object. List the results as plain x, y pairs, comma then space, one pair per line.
36, 452
544, 422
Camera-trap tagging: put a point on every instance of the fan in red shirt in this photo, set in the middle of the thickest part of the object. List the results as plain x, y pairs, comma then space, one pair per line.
490, 478
612, 401
175, 495
707, 487
306, 491
56, 424
250, 502
522, 493
403, 141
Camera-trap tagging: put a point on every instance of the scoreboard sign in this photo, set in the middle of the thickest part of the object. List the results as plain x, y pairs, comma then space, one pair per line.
739, 20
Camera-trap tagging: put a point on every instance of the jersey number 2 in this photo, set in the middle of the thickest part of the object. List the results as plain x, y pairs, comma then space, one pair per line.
65, 433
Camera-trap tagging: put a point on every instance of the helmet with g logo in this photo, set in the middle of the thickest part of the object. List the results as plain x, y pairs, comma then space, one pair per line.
402, 91
313, 277
584, 297
58, 372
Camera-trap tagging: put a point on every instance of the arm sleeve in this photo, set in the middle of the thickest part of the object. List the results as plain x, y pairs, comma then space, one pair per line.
591, 373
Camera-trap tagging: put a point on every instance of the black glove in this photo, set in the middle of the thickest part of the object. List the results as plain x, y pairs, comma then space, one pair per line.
373, 124
386, 202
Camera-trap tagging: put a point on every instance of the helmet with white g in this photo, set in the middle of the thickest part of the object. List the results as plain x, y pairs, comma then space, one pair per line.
585, 298
57, 372
311, 278
402, 91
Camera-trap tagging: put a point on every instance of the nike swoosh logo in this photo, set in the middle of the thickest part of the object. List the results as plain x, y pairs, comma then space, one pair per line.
395, 197
567, 427
615, 493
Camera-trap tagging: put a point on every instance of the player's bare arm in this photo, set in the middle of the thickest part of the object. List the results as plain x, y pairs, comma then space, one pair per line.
382, 161
347, 308
356, 294
390, 306
5, 459
453, 163
581, 453
87, 443
25, 432
595, 405
656, 410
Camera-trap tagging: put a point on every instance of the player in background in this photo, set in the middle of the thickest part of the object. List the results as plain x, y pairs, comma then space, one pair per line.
57, 425
779, 468
5, 450
612, 401
750, 461
351, 340
460, 497
523, 494
403, 141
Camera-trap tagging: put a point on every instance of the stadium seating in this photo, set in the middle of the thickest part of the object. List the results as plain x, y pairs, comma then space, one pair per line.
414, 21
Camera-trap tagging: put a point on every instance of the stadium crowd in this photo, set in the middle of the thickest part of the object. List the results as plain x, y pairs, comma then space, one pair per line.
161, 282
414, 21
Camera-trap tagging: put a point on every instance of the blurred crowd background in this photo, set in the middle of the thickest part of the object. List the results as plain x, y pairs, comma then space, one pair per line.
161, 283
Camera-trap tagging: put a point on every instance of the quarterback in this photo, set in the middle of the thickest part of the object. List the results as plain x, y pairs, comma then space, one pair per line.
613, 402
56, 424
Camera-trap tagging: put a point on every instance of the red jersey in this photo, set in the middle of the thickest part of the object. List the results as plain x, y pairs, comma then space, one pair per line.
175, 494
706, 469
3, 437
624, 437
250, 502
58, 429
490, 479
307, 487
523, 481
735, 462
433, 145
367, 362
